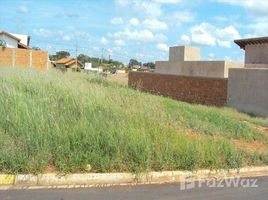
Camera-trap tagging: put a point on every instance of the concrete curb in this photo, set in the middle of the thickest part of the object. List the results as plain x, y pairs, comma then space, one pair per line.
53, 180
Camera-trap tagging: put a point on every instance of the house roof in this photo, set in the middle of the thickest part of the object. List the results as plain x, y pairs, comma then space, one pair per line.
24, 39
67, 61
243, 42
63, 60
10, 35
23, 46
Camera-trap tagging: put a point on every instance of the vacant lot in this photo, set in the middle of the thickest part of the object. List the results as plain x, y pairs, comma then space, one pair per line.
52, 121
118, 78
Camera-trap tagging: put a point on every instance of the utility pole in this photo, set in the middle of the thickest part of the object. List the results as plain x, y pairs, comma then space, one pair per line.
76, 49
102, 50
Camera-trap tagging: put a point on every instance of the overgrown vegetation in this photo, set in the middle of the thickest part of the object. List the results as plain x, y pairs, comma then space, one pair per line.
69, 121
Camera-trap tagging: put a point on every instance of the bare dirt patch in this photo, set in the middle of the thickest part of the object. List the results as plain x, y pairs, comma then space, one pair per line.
251, 146
119, 78
263, 130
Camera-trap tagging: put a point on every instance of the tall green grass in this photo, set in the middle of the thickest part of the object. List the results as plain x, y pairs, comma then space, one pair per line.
70, 121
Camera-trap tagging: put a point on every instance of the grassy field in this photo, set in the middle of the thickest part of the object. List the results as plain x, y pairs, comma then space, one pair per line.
52, 121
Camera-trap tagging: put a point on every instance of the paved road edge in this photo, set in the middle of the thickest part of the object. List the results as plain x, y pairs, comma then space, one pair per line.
52, 180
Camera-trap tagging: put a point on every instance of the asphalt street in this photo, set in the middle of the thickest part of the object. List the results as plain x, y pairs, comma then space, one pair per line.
244, 189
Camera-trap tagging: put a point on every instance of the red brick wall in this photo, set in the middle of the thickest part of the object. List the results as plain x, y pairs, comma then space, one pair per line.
23, 58
207, 91
6, 55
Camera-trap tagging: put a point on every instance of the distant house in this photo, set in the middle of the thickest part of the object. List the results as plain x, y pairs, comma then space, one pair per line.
143, 69
88, 67
15, 40
136, 67
67, 63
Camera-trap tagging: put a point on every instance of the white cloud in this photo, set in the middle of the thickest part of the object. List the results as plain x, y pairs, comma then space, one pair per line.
258, 15
66, 37
160, 37
226, 44
211, 55
23, 9
226, 36
134, 21
148, 8
207, 34
202, 34
104, 41
259, 27
167, 1
137, 35
162, 47
117, 21
155, 24
256, 7
122, 3
43, 32
119, 43
180, 17
185, 39
227, 33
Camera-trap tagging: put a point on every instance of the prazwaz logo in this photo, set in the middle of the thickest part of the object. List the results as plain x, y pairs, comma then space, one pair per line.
190, 183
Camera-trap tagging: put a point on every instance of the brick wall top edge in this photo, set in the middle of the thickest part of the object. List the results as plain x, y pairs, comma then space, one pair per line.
23, 49
172, 75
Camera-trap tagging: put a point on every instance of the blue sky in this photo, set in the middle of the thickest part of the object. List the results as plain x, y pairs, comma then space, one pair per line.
140, 29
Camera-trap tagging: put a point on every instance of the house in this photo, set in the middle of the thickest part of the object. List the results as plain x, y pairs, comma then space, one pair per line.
143, 69
136, 67
247, 87
67, 63
88, 67
15, 40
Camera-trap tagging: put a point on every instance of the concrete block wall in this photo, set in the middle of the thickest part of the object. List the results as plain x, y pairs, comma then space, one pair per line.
183, 53
248, 90
212, 69
185, 61
15, 57
199, 90
256, 54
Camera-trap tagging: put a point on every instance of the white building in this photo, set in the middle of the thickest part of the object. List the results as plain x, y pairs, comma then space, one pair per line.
15, 40
88, 67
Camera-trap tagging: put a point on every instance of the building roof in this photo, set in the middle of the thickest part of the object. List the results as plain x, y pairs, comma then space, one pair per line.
9, 35
243, 42
23, 46
63, 60
67, 61
24, 39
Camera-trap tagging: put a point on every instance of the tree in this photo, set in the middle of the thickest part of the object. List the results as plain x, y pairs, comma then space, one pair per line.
150, 65
59, 55
133, 62
3, 43
36, 48
62, 54
96, 62
86, 59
